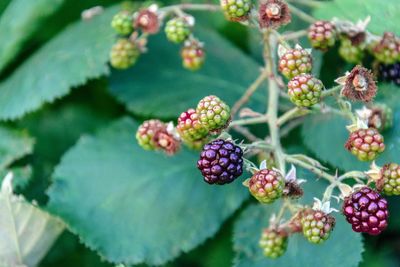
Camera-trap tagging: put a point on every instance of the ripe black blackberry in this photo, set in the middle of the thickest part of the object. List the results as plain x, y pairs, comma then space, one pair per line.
390, 73
221, 162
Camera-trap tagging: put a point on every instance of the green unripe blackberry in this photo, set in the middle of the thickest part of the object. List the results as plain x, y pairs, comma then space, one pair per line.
317, 225
304, 90
236, 10
177, 30
193, 55
122, 23
124, 54
349, 52
389, 181
213, 113
274, 242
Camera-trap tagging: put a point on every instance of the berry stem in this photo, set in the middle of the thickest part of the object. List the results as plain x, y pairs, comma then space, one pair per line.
331, 91
190, 6
249, 92
301, 14
311, 168
273, 102
261, 119
309, 3
291, 114
294, 35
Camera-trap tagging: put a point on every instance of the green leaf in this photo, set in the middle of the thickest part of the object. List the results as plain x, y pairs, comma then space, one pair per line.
159, 86
26, 232
20, 19
383, 17
137, 206
343, 248
14, 144
326, 134
22, 176
77, 54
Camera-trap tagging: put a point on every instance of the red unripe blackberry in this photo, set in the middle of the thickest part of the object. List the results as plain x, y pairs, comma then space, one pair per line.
317, 225
154, 135
295, 62
389, 180
387, 50
266, 185
366, 211
220, 162
193, 55
189, 127
274, 242
146, 132
322, 35
304, 90
365, 144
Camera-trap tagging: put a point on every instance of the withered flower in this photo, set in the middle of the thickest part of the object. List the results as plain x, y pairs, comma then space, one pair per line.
273, 14
147, 21
359, 85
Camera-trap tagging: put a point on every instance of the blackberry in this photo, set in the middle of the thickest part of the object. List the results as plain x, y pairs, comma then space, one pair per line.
389, 181
366, 211
266, 185
295, 62
192, 55
274, 242
213, 113
236, 10
317, 225
124, 54
365, 144
146, 132
390, 73
177, 30
304, 90
220, 162
322, 35
189, 127
122, 23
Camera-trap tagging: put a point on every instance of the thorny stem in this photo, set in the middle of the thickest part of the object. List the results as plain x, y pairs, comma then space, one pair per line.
331, 91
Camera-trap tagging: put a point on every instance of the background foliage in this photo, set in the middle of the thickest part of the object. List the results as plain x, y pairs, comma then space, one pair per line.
73, 151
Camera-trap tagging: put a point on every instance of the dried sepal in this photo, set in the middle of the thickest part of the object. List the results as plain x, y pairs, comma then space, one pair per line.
359, 85
273, 14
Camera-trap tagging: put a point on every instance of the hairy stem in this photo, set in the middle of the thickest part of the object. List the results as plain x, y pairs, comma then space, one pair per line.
311, 168
249, 92
190, 6
261, 119
301, 14
273, 102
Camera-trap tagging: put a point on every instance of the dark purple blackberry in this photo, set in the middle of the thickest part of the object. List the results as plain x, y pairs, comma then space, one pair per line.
220, 162
390, 73
366, 210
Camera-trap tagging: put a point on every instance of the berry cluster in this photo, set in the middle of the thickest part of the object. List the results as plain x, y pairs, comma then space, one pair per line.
221, 159
133, 30
194, 126
354, 44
